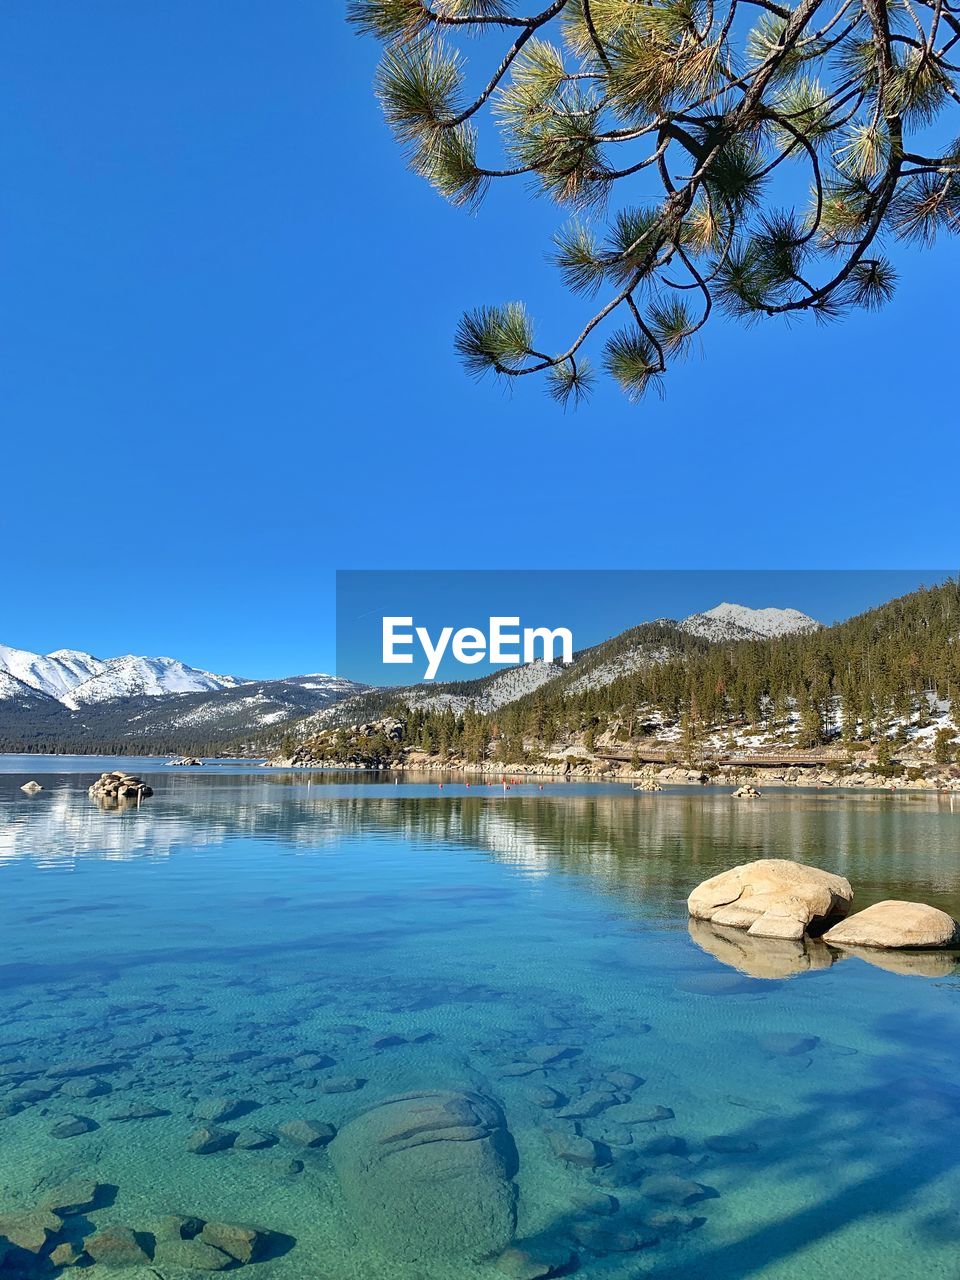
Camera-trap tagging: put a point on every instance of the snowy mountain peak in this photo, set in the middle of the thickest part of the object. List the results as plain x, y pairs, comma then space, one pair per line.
738, 622
77, 679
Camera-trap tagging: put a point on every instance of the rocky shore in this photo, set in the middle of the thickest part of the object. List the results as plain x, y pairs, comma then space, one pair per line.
920, 776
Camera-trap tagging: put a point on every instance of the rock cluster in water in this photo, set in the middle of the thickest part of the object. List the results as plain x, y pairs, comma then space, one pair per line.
112, 788
772, 898
777, 899
57, 1234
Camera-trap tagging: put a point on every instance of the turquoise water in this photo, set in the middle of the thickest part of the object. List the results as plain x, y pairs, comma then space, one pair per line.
257, 935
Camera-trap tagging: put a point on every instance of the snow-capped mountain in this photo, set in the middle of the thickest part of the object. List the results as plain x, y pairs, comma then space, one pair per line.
79, 679
738, 622
69, 697
53, 674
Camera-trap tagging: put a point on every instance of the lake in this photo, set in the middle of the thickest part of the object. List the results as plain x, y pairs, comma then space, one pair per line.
271, 955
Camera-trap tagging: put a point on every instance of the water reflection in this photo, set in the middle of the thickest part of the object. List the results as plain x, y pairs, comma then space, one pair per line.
288, 953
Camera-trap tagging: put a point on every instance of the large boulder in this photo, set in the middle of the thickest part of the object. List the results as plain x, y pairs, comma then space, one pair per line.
896, 924
772, 898
430, 1174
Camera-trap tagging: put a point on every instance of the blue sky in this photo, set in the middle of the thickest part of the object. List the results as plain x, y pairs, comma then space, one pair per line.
226, 365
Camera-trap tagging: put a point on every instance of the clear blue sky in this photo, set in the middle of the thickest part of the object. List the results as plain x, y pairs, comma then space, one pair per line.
226, 365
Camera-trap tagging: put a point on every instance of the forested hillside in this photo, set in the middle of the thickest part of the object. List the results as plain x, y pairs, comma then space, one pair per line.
885, 676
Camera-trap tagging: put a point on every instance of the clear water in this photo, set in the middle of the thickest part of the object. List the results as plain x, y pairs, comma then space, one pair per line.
241, 918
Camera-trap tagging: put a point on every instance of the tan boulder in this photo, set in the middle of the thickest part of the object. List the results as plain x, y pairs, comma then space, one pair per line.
772, 898
896, 924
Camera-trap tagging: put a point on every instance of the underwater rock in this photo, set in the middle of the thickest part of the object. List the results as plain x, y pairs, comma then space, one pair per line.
215, 1109
589, 1104
254, 1140
431, 1173
578, 1150
602, 1238
313, 1061
242, 1243
649, 1115
664, 1144
178, 1226
70, 1070
191, 1255
26, 1096
544, 1096
84, 1087
116, 1247
598, 1203
666, 1223
308, 1133
30, 1230
533, 1260
670, 1188
67, 1255
514, 1070
623, 1080
772, 898
206, 1140
388, 1042
342, 1084
138, 1111
72, 1127
77, 1196
896, 924
549, 1054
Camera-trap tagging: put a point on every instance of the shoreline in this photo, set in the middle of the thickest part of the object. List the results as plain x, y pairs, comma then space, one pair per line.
651, 777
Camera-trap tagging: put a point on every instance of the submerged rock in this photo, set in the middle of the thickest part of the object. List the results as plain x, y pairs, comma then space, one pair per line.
342, 1084
670, 1188
772, 898
30, 1230
72, 1127
178, 1226
191, 1255
431, 1174
533, 1260
67, 1255
576, 1149
896, 924
206, 1140
242, 1243
77, 1196
216, 1109
116, 1247
308, 1133
254, 1140
138, 1111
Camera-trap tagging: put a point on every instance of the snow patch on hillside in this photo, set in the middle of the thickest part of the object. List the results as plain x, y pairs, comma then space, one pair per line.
738, 622
506, 686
